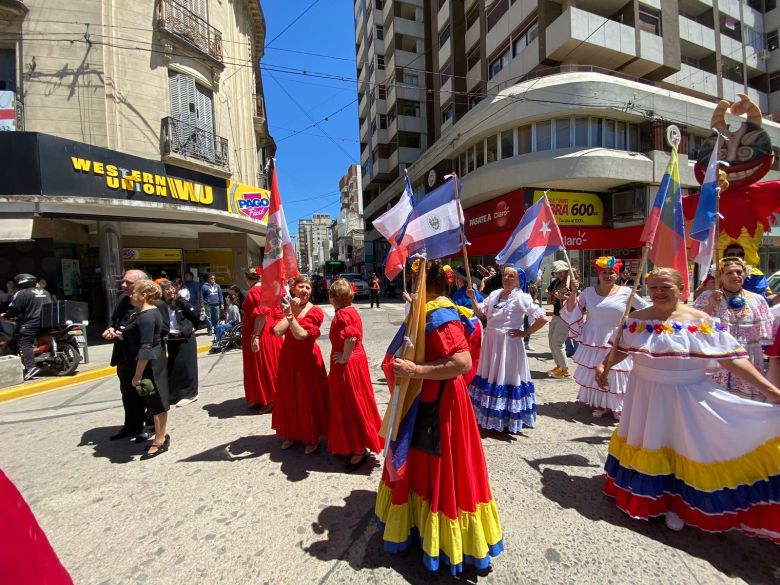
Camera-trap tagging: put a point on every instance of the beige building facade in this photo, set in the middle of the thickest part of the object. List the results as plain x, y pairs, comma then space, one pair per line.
138, 138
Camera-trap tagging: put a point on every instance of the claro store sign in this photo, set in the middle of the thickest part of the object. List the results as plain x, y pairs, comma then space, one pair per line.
574, 209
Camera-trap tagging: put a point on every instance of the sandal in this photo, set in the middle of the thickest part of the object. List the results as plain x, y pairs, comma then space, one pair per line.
158, 449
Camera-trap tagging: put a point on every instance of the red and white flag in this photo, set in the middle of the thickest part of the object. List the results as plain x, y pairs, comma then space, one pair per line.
279, 262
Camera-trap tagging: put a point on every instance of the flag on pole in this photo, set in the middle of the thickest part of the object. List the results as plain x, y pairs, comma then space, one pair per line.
536, 236
392, 225
435, 226
401, 413
703, 233
279, 262
665, 228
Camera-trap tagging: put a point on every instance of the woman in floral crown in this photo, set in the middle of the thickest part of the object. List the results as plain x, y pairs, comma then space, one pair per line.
443, 500
685, 448
502, 391
592, 317
748, 318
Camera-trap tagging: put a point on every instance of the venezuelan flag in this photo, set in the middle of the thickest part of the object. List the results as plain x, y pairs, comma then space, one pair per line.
398, 422
665, 228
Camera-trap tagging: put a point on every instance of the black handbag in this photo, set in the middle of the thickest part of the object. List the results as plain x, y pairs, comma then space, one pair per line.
426, 436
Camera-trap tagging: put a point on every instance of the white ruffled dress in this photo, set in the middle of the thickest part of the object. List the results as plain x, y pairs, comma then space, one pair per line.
591, 324
502, 392
686, 446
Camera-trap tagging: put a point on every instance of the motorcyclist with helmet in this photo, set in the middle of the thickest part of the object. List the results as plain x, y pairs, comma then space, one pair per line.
25, 307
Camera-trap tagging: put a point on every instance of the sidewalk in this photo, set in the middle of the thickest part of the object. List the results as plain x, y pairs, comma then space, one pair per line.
98, 367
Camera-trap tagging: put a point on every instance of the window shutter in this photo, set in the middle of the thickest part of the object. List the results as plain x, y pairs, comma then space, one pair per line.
205, 113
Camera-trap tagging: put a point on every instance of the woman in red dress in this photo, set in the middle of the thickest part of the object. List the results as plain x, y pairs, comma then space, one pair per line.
354, 418
301, 408
260, 346
443, 500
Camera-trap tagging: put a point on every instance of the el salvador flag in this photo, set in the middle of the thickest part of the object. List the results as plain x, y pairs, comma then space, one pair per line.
536, 236
435, 225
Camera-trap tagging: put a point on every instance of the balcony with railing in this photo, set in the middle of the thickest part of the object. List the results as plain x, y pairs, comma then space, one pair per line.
185, 26
187, 140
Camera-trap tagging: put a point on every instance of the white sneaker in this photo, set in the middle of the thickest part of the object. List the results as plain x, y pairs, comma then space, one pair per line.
186, 401
674, 522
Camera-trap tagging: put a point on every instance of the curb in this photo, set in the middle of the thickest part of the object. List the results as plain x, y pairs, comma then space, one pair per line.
26, 390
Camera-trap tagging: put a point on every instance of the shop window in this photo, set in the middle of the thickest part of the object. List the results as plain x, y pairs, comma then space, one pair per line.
480, 154
525, 139
492, 148
544, 135
596, 132
563, 133
497, 64
581, 132
507, 144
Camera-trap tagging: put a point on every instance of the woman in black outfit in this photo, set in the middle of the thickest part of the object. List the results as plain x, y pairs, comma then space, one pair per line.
143, 341
182, 347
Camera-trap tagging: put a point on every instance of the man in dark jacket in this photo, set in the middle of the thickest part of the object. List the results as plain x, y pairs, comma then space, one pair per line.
25, 307
132, 403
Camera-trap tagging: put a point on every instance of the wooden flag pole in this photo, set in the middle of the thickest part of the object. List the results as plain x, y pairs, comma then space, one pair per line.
462, 233
404, 277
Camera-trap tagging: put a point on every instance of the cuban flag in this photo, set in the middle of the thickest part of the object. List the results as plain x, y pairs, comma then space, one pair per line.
665, 228
279, 261
535, 237
435, 226
392, 225
703, 233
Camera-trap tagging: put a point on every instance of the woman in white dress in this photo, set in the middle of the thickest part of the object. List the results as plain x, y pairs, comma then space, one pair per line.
685, 448
502, 391
592, 317
748, 318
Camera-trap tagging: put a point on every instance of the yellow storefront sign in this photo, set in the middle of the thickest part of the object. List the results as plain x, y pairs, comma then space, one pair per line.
572, 208
248, 201
152, 254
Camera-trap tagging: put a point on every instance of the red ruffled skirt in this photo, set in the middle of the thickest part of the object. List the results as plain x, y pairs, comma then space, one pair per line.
301, 406
261, 368
354, 417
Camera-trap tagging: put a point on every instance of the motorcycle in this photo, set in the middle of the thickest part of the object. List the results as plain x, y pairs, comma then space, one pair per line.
56, 350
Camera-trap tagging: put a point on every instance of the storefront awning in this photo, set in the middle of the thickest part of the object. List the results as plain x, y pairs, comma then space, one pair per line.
16, 230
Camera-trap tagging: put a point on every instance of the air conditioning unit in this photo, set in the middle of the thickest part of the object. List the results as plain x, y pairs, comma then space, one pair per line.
629, 204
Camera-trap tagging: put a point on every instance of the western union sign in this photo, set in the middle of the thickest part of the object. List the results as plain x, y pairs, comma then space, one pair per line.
150, 184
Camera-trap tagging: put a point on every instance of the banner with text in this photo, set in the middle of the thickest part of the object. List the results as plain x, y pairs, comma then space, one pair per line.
574, 209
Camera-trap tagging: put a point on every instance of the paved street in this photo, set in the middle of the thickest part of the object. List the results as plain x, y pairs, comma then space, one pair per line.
226, 506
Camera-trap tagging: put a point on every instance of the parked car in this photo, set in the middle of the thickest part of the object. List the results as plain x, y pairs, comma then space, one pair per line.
359, 286
773, 282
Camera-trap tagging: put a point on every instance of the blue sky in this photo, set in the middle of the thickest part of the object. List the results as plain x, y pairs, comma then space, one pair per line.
316, 36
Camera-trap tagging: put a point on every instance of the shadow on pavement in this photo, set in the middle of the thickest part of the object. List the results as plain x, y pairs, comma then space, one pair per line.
121, 451
295, 464
229, 409
503, 436
574, 412
351, 536
734, 554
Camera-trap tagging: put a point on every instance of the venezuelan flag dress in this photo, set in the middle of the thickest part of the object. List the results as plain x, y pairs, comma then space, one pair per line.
444, 502
686, 446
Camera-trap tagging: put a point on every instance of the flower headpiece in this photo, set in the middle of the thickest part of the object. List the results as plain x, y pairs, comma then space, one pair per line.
259, 270
603, 263
416, 265
449, 274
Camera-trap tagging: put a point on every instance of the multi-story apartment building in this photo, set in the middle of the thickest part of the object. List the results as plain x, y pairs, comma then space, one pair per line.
314, 242
572, 96
349, 226
138, 139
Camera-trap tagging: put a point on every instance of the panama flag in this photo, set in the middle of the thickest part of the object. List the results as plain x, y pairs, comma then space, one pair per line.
536, 236
279, 263
703, 233
401, 413
392, 225
665, 228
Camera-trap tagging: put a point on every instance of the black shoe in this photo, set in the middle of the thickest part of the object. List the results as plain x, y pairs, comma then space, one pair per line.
31, 373
160, 449
350, 467
122, 434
